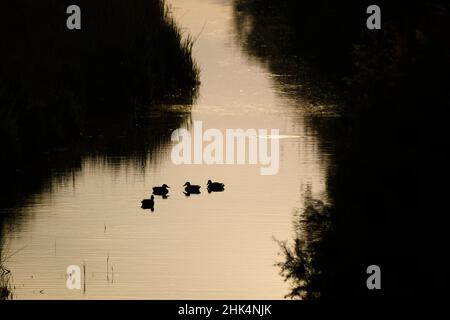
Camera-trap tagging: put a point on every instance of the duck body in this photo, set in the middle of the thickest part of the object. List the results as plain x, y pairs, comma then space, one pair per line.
161, 191
148, 203
215, 186
191, 188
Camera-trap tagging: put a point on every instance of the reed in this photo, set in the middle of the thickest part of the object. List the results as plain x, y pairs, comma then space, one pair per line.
127, 54
6, 290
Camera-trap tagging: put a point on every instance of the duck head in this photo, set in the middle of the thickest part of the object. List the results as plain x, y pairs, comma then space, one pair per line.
165, 186
209, 182
187, 184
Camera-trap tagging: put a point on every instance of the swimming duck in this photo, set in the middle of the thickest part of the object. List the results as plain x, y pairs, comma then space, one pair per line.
215, 186
148, 203
161, 191
191, 188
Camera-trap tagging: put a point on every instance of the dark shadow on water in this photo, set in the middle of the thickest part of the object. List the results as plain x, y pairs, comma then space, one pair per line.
188, 194
268, 36
388, 144
303, 264
133, 140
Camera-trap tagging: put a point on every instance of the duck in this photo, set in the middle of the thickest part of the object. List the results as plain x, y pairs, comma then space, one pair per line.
215, 186
148, 203
191, 188
161, 191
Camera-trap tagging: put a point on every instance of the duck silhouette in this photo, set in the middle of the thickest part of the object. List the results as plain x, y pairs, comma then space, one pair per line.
148, 203
161, 191
215, 186
191, 189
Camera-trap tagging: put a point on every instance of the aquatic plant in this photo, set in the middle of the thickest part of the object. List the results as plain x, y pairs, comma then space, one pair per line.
5, 275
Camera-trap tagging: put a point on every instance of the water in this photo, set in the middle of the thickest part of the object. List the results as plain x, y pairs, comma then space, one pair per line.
207, 246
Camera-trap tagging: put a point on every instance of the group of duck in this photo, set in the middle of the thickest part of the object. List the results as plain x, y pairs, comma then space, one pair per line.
188, 190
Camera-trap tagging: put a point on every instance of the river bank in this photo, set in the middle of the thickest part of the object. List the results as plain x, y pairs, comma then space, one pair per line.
390, 87
53, 79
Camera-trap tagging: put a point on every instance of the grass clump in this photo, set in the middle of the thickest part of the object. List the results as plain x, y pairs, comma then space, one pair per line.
5, 275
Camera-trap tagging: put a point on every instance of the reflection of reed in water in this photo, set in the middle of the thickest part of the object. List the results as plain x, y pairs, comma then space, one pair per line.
5, 274
135, 140
303, 261
266, 34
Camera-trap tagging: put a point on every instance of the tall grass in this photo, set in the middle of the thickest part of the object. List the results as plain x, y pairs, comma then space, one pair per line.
127, 53
5, 276
5, 286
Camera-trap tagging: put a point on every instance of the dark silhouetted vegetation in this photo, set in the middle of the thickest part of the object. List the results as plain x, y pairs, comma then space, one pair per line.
68, 93
5, 292
302, 263
391, 89
127, 53
5, 274
102, 91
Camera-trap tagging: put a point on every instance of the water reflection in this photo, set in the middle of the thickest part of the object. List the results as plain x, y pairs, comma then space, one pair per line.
365, 216
305, 263
310, 261
267, 37
214, 246
133, 140
114, 141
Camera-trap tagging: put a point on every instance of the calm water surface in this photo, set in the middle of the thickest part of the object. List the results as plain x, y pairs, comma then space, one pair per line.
208, 246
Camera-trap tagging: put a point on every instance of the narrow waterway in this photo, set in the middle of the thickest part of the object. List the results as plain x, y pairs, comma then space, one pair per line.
206, 246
